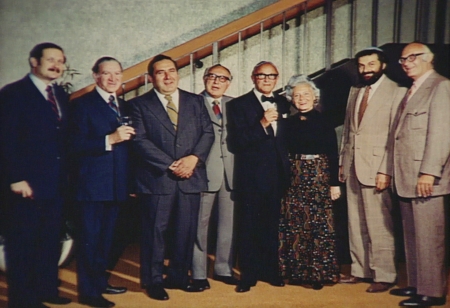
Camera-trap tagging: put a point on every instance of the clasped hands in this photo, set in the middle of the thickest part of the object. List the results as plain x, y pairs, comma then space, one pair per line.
184, 167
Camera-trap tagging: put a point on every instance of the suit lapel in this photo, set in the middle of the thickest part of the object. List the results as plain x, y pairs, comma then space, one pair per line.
352, 102
211, 113
38, 98
382, 97
155, 107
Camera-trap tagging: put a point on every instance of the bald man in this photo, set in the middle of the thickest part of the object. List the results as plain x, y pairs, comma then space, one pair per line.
420, 154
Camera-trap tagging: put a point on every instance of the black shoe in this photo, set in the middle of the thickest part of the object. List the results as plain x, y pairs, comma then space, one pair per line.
226, 279
277, 282
201, 284
97, 302
408, 291
157, 292
423, 301
57, 300
243, 287
317, 286
114, 290
189, 287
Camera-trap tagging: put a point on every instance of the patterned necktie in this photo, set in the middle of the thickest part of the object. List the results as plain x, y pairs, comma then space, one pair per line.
51, 99
112, 104
363, 105
217, 112
172, 111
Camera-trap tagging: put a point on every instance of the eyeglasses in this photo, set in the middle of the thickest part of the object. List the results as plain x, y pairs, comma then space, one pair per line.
221, 78
264, 76
410, 58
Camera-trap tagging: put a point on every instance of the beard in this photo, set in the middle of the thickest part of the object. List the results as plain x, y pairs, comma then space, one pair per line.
376, 75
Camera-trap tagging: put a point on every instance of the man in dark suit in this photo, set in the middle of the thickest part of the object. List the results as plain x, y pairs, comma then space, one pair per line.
173, 138
420, 154
219, 168
33, 133
101, 149
256, 133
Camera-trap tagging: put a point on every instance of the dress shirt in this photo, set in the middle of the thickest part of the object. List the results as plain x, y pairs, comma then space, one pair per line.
105, 95
267, 105
419, 82
373, 88
42, 87
210, 100
175, 99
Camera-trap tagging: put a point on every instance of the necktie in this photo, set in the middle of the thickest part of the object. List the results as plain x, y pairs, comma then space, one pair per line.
51, 99
267, 99
407, 97
216, 109
363, 105
112, 104
172, 111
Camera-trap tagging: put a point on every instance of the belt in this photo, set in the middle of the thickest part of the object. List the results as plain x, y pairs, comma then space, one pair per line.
306, 156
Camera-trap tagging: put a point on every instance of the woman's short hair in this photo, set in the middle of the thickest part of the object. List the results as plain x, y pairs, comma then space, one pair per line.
299, 79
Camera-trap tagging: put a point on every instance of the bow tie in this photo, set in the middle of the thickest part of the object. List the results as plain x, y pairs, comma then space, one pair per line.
267, 99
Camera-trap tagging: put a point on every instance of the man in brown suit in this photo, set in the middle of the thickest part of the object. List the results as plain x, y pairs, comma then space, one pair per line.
370, 110
420, 153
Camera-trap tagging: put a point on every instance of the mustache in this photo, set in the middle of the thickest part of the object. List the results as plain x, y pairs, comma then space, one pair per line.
55, 69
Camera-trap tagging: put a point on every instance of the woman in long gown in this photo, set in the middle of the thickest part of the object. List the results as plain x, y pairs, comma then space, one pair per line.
306, 232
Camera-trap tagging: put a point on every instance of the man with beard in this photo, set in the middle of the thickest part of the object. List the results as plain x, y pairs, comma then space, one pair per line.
371, 109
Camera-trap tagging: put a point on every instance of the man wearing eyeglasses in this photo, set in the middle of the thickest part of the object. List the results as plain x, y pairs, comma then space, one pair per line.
219, 168
256, 132
420, 154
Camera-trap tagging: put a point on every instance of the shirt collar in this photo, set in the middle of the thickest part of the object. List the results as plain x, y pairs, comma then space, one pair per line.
422, 79
40, 85
175, 97
105, 95
211, 99
259, 94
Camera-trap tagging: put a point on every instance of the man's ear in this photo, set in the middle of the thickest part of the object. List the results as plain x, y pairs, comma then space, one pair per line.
34, 62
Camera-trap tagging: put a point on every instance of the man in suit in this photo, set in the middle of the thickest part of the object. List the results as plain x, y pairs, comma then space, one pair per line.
101, 149
219, 168
33, 134
420, 155
370, 110
173, 138
256, 132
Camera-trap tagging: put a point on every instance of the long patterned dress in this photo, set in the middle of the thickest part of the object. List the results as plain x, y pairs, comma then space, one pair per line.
306, 231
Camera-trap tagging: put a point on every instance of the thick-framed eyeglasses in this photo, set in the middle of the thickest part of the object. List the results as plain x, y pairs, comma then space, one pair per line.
264, 76
410, 58
221, 78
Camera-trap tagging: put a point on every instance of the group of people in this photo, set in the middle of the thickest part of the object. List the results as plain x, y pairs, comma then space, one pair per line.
270, 164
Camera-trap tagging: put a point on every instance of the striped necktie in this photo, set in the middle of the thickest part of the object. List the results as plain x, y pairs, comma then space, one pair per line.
113, 105
52, 100
172, 111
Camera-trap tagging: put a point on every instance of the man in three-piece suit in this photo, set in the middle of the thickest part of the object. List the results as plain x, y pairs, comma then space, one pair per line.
99, 144
420, 155
173, 138
219, 168
370, 111
256, 133
33, 134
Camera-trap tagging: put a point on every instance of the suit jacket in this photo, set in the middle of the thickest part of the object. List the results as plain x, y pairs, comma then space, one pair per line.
422, 138
367, 143
33, 141
102, 175
158, 145
259, 157
220, 160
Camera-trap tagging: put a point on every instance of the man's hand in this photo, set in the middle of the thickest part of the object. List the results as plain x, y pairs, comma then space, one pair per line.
425, 185
270, 115
22, 188
382, 181
184, 167
335, 192
122, 133
341, 174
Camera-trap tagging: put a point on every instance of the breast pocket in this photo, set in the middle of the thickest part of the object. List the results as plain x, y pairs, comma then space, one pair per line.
417, 120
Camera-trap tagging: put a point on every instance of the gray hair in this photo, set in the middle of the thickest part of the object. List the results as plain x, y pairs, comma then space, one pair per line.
299, 79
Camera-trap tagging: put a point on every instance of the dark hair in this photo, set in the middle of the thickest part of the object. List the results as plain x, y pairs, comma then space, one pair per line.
370, 51
217, 65
158, 58
97, 63
38, 50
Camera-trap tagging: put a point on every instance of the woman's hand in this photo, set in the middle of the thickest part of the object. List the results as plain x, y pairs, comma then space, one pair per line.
335, 192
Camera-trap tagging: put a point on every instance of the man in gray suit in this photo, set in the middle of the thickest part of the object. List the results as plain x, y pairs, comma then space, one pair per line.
371, 108
173, 138
420, 154
219, 168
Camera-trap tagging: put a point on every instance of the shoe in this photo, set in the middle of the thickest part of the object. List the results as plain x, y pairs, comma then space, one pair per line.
350, 279
157, 292
226, 279
376, 287
97, 302
277, 282
57, 300
408, 291
317, 286
423, 301
242, 287
114, 290
189, 287
201, 284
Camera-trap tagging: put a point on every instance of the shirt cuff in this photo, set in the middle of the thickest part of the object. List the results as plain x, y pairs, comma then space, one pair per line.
108, 147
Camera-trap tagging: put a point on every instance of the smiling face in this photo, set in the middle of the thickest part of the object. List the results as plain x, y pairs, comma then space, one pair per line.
50, 66
165, 77
214, 87
370, 68
109, 76
303, 97
421, 64
263, 84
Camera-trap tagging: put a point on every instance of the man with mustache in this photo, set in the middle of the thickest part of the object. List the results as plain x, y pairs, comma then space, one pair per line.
370, 111
33, 127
